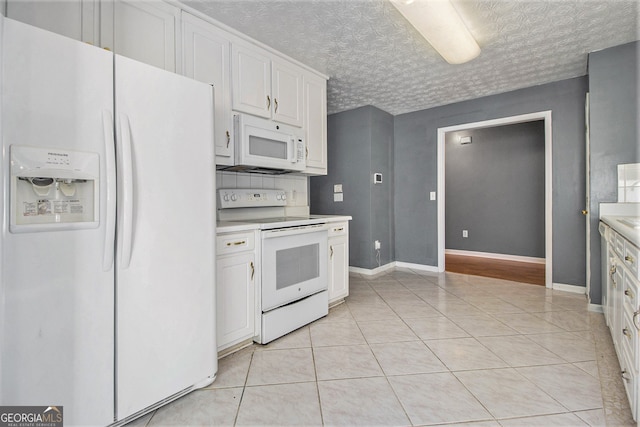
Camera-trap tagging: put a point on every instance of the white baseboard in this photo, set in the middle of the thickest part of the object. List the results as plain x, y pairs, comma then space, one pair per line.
377, 270
504, 257
596, 308
418, 267
391, 266
570, 288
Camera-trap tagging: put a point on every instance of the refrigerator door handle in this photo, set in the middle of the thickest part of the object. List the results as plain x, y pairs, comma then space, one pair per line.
110, 196
126, 177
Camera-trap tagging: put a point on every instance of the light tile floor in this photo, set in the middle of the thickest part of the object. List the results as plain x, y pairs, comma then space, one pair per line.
424, 349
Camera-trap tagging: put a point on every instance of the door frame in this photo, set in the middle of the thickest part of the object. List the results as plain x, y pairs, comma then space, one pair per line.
548, 183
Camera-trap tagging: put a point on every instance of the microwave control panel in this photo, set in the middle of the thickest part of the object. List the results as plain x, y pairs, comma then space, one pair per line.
250, 198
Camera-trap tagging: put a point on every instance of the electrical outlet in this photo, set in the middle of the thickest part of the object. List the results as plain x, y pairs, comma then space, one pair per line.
376, 245
465, 233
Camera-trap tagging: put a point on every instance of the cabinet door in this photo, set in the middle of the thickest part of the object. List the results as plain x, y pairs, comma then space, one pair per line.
140, 30
235, 299
251, 80
206, 54
74, 19
286, 90
338, 268
315, 124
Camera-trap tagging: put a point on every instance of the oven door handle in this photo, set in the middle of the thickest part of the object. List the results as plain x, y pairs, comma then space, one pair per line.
316, 228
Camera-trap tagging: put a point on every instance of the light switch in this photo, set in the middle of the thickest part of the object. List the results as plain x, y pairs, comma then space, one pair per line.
337, 188
338, 197
432, 195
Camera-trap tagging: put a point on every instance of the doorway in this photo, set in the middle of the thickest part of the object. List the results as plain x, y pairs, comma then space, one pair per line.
544, 116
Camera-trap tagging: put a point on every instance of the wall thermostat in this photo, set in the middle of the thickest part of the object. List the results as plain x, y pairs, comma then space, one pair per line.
377, 178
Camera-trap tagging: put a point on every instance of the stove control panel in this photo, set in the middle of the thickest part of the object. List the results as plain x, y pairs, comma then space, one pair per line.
250, 198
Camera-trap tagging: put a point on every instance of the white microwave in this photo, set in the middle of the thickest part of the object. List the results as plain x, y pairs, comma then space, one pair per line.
268, 147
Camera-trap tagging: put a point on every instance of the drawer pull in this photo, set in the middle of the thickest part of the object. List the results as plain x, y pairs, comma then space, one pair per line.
626, 333
238, 243
628, 293
630, 259
339, 229
635, 321
331, 256
625, 376
253, 270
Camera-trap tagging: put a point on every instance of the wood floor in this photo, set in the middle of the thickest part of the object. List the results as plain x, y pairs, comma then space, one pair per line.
524, 272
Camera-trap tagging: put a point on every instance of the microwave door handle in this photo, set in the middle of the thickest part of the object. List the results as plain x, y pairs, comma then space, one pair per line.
292, 151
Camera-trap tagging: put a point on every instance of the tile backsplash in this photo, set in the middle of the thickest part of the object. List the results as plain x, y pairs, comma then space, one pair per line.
629, 183
296, 186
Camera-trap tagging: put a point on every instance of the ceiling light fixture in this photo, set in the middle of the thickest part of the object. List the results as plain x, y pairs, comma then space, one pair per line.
439, 23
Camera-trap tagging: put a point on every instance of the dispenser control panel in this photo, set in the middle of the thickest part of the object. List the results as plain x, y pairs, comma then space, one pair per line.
53, 189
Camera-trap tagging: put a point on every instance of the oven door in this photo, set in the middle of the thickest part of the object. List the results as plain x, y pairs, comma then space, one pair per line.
294, 264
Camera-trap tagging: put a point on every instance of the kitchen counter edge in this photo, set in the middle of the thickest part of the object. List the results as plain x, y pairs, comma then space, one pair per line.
234, 227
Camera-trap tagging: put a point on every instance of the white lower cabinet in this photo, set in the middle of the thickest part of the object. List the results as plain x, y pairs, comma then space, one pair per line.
338, 261
236, 276
623, 313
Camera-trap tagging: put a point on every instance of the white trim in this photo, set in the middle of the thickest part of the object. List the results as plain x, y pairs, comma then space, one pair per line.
392, 266
377, 270
574, 289
505, 257
595, 308
418, 267
548, 164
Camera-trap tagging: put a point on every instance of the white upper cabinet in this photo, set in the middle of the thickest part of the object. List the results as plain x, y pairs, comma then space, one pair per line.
141, 30
75, 19
286, 89
206, 55
266, 88
251, 80
315, 124
246, 77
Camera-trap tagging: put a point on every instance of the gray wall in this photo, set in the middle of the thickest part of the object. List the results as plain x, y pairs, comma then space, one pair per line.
495, 190
614, 119
415, 157
360, 142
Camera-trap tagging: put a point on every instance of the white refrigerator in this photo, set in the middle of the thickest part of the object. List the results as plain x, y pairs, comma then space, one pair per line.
107, 249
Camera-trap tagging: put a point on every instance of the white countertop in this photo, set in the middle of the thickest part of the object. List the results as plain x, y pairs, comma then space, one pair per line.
623, 228
615, 214
233, 226
333, 218
239, 226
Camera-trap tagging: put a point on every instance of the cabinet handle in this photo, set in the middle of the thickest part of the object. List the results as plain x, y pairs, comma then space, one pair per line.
253, 270
268, 102
624, 376
228, 138
584, 212
629, 259
628, 293
306, 151
626, 332
238, 243
338, 229
635, 321
331, 256
612, 273
275, 102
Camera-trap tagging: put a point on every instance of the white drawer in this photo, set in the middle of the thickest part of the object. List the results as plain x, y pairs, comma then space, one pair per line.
233, 243
629, 337
630, 294
631, 258
630, 381
338, 229
618, 245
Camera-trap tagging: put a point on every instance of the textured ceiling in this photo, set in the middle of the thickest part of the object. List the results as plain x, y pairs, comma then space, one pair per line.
373, 56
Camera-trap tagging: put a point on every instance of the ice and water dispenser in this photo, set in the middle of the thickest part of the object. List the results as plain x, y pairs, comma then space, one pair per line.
53, 189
